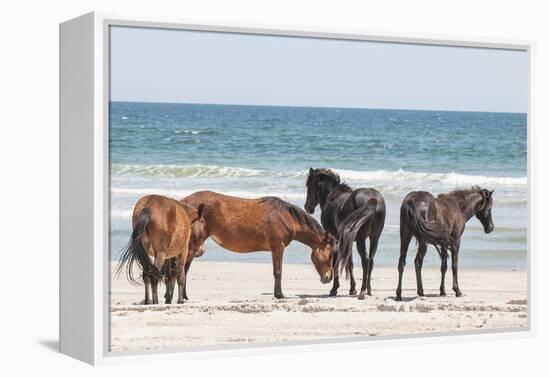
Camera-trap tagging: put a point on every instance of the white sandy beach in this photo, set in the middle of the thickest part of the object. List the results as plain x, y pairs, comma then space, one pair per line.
232, 303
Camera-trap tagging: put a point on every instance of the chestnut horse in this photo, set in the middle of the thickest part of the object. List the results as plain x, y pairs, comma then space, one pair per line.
264, 224
163, 228
440, 222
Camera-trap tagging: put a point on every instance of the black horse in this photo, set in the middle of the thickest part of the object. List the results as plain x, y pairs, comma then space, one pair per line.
349, 215
440, 222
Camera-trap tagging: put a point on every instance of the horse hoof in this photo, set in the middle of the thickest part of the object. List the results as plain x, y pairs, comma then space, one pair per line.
442, 294
279, 296
333, 293
361, 296
352, 292
458, 294
398, 298
181, 301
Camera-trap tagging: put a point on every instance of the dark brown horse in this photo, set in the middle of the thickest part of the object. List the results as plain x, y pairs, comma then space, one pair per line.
440, 222
350, 215
163, 228
264, 224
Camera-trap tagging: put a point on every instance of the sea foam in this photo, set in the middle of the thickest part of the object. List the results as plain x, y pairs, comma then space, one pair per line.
388, 176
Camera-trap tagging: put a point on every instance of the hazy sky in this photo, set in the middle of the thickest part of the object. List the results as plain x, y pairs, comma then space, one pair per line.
159, 65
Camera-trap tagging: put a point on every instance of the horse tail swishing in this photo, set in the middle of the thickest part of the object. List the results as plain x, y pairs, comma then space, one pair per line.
135, 252
432, 232
361, 218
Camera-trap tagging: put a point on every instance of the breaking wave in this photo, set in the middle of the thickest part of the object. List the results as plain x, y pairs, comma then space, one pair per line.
395, 176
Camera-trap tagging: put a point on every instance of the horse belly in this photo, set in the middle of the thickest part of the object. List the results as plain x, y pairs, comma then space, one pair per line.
245, 244
217, 240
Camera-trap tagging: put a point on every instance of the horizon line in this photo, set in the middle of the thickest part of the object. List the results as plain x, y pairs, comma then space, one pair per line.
322, 107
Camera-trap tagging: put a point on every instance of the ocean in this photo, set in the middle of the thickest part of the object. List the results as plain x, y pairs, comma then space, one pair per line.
254, 151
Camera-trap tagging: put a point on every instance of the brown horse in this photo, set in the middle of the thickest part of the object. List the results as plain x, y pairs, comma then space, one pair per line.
163, 228
264, 224
173, 266
440, 221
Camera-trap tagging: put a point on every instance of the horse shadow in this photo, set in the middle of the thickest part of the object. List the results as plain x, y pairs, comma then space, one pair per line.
300, 296
413, 298
326, 295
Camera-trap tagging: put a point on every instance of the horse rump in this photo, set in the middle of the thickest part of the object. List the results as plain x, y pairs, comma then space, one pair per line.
348, 230
135, 252
423, 230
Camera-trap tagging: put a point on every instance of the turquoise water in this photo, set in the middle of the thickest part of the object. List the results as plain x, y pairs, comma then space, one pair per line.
253, 151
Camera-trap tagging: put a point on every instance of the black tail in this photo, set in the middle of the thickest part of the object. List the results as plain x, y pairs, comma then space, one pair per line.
135, 252
348, 231
427, 231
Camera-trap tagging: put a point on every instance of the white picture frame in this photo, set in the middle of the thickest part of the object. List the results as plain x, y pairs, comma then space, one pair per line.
84, 183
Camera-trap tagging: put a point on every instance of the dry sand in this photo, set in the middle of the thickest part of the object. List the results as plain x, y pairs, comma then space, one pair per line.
232, 303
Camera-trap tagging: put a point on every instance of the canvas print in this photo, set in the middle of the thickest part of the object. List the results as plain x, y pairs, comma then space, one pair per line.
271, 189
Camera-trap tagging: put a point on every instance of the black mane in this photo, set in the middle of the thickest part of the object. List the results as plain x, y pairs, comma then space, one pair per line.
342, 187
465, 191
297, 213
332, 176
328, 173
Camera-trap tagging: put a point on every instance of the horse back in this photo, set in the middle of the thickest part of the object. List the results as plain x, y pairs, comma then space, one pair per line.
237, 224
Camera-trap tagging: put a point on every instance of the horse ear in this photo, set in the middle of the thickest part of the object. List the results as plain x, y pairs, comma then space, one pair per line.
491, 193
310, 170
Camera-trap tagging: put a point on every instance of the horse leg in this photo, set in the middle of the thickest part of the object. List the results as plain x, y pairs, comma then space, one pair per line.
444, 257
154, 289
454, 267
373, 246
362, 249
352, 290
187, 266
159, 262
170, 274
277, 258
406, 237
418, 262
181, 281
147, 283
335, 279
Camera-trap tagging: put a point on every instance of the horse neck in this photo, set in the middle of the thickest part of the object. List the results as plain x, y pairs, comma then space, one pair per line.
308, 236
467, 206
324, 191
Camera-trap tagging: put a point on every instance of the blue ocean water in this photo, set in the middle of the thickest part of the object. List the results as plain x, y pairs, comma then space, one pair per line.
253, 151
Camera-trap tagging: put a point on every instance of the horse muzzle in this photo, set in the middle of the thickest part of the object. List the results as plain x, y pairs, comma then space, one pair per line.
489, 229
326, 279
